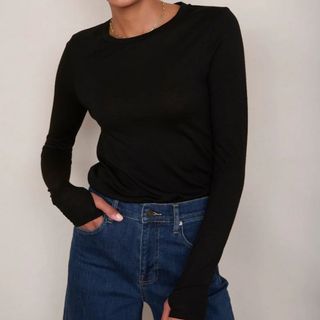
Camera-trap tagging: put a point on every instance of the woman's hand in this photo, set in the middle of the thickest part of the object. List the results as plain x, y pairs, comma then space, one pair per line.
110, 211
166, 311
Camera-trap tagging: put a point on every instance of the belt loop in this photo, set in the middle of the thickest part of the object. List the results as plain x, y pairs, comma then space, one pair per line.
115, 203
176, 218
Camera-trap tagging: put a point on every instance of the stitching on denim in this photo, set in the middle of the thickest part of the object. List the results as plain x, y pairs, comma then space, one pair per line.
184, 236
140, 265
191, 219
141, 240
127, 217
150, 281
158, 255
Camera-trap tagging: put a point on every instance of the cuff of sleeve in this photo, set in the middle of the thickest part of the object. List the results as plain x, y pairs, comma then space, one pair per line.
76, 203
188, 305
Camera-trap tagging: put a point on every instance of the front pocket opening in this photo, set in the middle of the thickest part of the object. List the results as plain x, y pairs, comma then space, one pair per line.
183, 235
189, 229
101, 226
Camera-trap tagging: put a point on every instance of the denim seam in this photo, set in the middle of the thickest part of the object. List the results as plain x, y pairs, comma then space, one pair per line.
158, 255
192, 219
140, 253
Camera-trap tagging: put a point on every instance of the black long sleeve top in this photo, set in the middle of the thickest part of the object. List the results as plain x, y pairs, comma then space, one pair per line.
172, 107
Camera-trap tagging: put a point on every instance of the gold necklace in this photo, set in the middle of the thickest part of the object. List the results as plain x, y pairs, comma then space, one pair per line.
111, 29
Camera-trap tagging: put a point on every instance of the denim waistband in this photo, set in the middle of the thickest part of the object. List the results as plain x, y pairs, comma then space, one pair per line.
157, 211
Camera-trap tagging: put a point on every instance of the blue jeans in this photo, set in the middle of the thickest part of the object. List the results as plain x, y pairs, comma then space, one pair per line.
118, 266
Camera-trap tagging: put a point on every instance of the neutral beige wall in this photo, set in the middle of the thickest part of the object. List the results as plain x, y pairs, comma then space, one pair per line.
272, 257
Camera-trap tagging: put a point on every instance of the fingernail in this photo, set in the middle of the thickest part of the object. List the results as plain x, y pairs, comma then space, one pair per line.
118, 217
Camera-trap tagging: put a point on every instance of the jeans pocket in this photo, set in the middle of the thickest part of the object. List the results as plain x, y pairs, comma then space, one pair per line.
97, 230
188, 228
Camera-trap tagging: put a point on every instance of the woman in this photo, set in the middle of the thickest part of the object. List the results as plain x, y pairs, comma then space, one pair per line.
166, 83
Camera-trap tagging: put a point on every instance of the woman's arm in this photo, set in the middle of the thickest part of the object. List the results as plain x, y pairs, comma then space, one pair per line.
67, 115
228, 94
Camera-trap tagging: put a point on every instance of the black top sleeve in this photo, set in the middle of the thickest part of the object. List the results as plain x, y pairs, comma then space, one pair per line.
228, 94
66, 118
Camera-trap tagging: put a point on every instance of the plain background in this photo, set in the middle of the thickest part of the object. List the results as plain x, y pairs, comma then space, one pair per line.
272, 256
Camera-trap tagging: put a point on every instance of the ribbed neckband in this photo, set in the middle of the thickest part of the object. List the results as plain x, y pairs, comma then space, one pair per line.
170, 23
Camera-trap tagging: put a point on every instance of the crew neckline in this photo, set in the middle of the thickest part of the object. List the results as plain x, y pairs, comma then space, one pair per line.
169, 23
